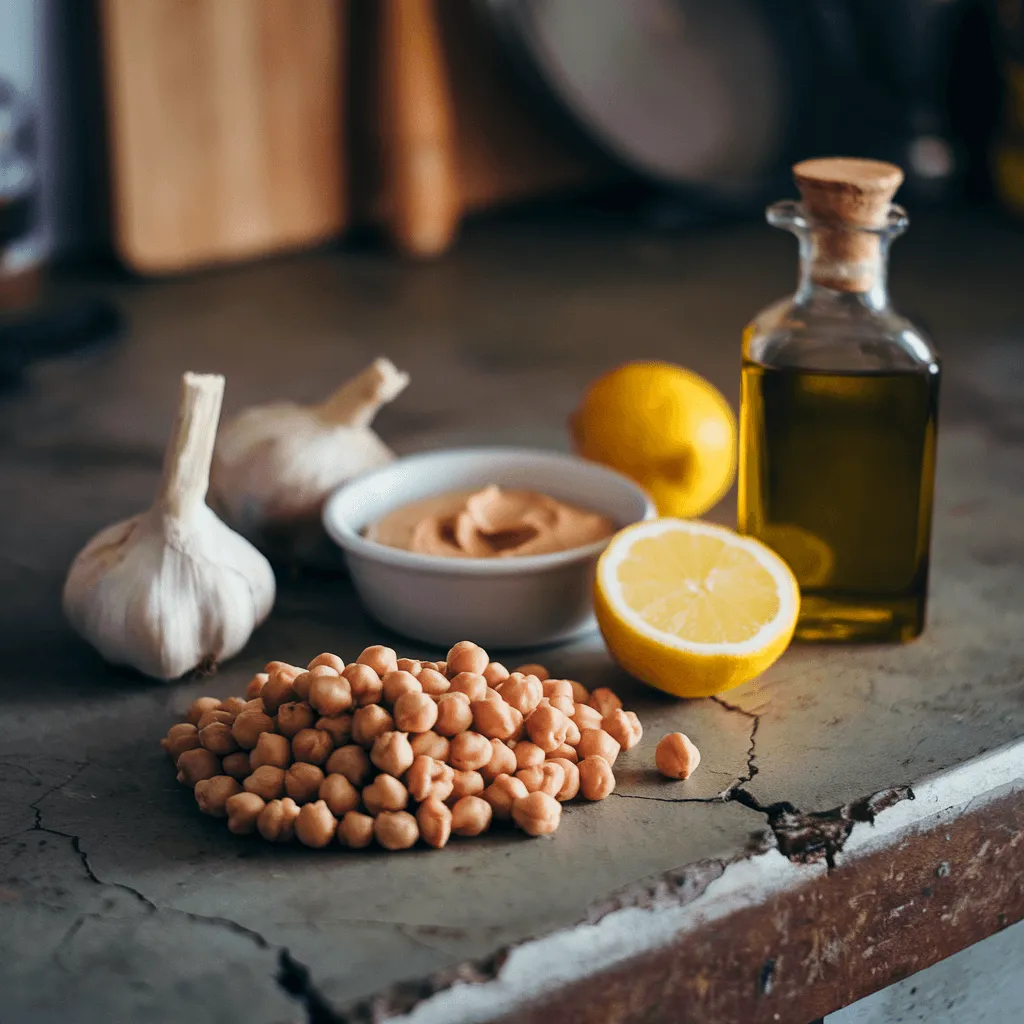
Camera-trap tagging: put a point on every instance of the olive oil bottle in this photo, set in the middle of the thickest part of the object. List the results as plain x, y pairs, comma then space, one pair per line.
838, 416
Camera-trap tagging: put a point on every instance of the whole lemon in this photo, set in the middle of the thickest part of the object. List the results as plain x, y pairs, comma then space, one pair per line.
667, 428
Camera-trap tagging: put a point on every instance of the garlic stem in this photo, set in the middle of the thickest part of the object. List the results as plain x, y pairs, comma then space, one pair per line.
189, 452
358, 400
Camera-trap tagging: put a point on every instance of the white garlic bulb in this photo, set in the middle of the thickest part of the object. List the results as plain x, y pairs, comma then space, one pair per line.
173, 587
275, 464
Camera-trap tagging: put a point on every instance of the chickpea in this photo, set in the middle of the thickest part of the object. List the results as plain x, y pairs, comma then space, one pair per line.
415, 712
215, 717
548, 777
596, 777
236, 765
301, 684
435, 823
255, 686
277, 691
267, 782
247, 727
410, 665
528, 755
213, 793
195, 765
586, 717
199, 707
564, 751
563, 704
367, 687
571, 783
429, 778
572, 734
454, 714
274, 667
338, 727
469, 751
442, 667
466, 656
676, 756
502, 793
181, 737
537, 814
330, 695
472, 684
276, 822
392, 753
597, 741
370, 722
330, 660
396, 830
381, 659
315, 825
243, 810
533, 669
466, 784
580, 694
433, 683
352, 762
605, 701
302, 782
471, 816
396, 683
557, 688
312, 745
624, 727
256, 704
494, 719
431, 744
355, 830
495, 673
271, 749
547, 727
232, 705
502, 762
339, 794
293, 717
523, 693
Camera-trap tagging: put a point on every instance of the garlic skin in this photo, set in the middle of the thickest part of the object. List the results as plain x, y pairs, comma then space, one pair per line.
172, 587
274, 465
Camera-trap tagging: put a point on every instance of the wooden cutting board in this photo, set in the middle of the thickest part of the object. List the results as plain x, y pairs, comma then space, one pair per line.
226, 127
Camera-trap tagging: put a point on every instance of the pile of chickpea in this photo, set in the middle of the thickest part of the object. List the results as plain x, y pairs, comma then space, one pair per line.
397, 750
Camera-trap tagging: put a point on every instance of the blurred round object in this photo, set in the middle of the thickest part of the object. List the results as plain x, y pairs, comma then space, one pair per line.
686, 92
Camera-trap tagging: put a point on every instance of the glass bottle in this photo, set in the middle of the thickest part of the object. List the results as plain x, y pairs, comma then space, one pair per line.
838, 415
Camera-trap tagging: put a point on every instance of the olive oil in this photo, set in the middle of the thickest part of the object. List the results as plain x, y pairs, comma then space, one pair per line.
836, 474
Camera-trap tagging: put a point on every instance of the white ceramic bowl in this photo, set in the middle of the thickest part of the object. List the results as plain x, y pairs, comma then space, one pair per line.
508, 602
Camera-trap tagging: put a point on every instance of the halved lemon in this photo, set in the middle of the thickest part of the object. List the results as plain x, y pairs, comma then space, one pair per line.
692, 608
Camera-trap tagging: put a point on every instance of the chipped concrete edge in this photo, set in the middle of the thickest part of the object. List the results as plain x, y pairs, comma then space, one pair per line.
649, 916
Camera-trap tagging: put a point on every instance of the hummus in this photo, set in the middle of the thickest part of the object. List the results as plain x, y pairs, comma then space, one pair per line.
490, 523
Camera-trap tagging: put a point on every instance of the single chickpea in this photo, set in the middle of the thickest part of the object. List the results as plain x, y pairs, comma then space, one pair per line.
267, 782
466, 656
396, 830
410, 665
502, 793
236, 765
624, 727
493, 718
367, 687
573, 734
381, 659
181, 737
243, 810
523, 693
213, 793
565, 751
273, 667
466, 784
271, 749
278, 690
276, 822
495, 673
255, 685
571, 785
597, 741
471, 816
370, 722
580, 694
431, 744
355, 830
302, 782
537, 814
564, 704
533, 669
232, 705
256, 704
330, 660
312, 745
339, 727
454, 714
352, 762
676, 756
330, 696
339, 794
247, 727
546, 778
429, 778
415, 712
472, 684
502, 762
315, 825
301, 684
596, 777
215, 717
293, 717
442, 667
396, 683
469, 751
195, 765
392, 753
199, 707
547, 727
586, 717
605, 701
528, 755
433, 683
557, 688
435, 822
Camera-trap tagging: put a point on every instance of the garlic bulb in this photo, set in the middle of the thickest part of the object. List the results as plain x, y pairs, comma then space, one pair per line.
172, 587
275, 464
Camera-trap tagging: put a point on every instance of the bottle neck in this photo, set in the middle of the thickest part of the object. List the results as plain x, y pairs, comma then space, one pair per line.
828, 271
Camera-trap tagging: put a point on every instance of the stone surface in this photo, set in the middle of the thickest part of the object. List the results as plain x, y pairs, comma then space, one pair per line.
118, 902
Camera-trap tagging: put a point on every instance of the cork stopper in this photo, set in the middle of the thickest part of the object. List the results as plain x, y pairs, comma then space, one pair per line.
841, 195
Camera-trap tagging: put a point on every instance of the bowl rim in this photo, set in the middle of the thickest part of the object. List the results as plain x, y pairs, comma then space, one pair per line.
353, 543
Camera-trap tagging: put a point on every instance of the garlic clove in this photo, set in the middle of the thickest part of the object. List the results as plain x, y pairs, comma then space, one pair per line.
174, 586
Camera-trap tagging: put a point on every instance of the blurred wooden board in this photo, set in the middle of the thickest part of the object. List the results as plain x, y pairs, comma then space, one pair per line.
226, 126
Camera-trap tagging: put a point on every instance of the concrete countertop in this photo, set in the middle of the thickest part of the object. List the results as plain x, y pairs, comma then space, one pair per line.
773, 885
